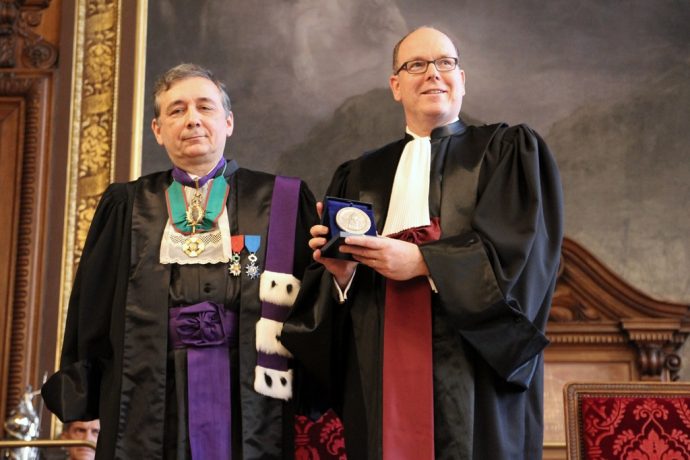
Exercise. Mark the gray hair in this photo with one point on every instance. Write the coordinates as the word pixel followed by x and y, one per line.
pixel 182 72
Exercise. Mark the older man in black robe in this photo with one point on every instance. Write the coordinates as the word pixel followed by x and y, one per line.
pixel 184 283
pixel 430 340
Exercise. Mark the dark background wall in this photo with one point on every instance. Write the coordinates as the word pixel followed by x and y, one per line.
pixel 606 83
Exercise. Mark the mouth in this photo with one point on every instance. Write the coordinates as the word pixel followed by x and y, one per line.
pixel 192 138
pixel 434 91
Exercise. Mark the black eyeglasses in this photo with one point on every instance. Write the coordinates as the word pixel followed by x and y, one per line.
pixel 444 64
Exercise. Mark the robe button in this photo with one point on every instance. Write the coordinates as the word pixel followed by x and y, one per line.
pixel 208 288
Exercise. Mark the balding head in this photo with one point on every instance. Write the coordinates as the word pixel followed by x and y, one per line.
pixel 426 79
pixel 396 48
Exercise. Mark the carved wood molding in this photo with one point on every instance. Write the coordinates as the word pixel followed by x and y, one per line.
pixel 592 305
pixel 92 139
pixel 17 18
pixel 33 89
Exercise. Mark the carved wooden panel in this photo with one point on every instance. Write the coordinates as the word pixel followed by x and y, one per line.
pixel 24 263
pixel 85 112
pixel 20 45
pixel 11 129
pixel 93 114
pixel 601 328
pixel 26 63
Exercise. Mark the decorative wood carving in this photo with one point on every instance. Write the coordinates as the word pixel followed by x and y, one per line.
pixel 26 63
pixel 17 18
pixel 33 89
pixel 603 329
pixel 592 306
pixel 92 150
pixel 11 125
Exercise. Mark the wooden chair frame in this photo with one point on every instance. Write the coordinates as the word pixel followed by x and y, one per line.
pixel 574 391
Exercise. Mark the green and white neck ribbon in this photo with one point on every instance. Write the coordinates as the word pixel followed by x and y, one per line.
pixel 216 197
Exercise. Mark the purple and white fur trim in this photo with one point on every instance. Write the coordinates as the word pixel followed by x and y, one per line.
pixel 278 290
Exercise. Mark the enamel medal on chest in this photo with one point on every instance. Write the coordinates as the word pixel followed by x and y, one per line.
pixel 193 246
pixel 236 244
pixel 252 243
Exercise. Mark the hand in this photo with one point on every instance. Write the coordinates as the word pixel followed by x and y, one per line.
pixel 342 270
pixel 395 259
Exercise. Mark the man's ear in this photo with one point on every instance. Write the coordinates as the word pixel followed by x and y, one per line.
pixel 155 127
pixel 394 83
pixel 230 123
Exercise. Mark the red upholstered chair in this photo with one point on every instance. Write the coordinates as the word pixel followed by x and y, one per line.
pixel 322 439
pixel 627 420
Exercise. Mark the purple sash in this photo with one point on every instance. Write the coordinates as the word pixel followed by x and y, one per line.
pixel 280 255
pixel 206 330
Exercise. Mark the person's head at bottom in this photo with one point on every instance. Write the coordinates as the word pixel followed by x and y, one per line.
pixel 82 431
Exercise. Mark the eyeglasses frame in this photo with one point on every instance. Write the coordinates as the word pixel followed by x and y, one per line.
pixel 433 61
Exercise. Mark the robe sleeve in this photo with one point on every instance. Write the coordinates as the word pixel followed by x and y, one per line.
pixel 495 282
pixel 306 218
pixel 73 392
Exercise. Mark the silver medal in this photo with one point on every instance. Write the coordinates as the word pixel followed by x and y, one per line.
pixel 252 269
pixel 353 220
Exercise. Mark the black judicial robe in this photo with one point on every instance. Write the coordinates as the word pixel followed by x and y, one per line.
pixel 113 364
pixel 495 269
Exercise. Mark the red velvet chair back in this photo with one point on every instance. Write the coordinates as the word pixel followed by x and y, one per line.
pixel 627 420
pixel 322 439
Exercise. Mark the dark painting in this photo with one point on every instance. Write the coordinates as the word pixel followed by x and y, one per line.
pixel 607 84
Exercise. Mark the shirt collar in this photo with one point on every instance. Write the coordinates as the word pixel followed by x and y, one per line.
pixel 456 126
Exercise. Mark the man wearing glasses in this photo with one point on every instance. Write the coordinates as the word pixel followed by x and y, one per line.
pixel 435 330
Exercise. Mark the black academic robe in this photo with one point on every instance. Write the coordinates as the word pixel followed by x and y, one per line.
pixel 494 268
pixel 113 364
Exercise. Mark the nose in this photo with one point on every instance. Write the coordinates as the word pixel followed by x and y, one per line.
pixel 434 74
pixel 193 119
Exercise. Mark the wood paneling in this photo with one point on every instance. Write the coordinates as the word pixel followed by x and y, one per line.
pixel 28 58
pixel 602 329
pixel 24 142
pixel 11 137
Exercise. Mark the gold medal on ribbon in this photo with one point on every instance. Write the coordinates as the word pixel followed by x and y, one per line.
pixel 195 213
pixel 193 246
pixel 235 267
pixel 236 244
